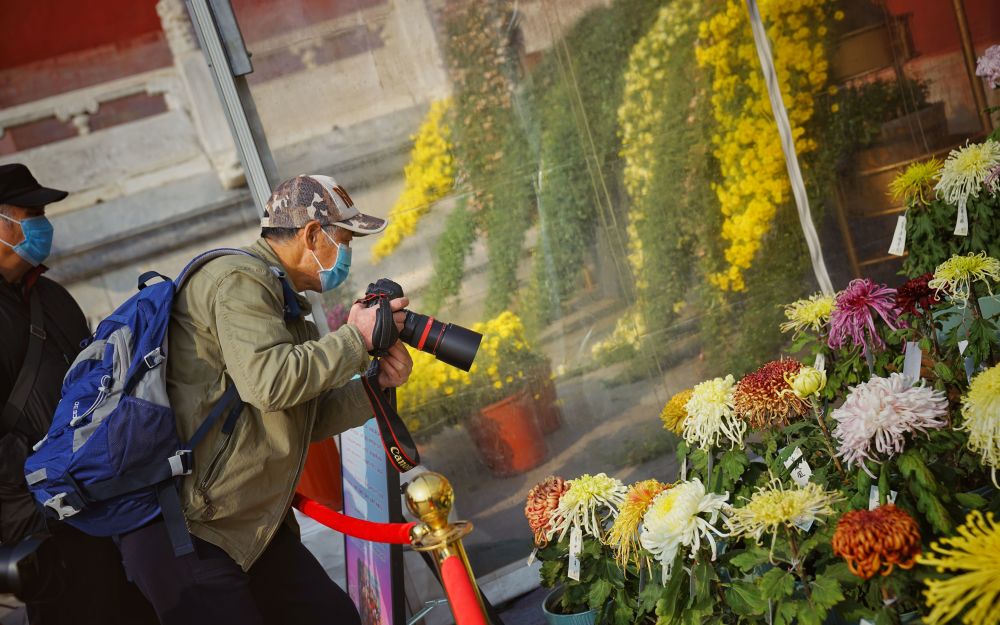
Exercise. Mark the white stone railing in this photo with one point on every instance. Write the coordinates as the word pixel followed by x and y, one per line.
pixel 77 106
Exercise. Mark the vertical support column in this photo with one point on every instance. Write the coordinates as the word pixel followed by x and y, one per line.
pixel 237 101
pixel 969 56
pixel 202 104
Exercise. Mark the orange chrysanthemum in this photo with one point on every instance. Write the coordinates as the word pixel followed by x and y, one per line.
pixel 764 398
pixel 873 542
pixel 542 502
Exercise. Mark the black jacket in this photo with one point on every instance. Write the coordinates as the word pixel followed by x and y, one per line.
pixel 65 327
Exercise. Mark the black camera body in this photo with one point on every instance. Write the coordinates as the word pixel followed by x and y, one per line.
pixel 449 343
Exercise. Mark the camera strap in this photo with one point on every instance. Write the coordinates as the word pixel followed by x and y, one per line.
pixel 396 439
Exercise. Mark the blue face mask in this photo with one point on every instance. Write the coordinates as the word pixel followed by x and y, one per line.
pixel 37 243
pixel 333 277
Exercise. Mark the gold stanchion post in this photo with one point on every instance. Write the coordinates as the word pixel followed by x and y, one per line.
pixel 430 498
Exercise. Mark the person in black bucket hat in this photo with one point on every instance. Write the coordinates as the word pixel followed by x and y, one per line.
pixel 76 578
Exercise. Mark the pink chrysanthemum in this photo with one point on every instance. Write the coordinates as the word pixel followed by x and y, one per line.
pixel 881 412
pixel 853 318
pixel 988 66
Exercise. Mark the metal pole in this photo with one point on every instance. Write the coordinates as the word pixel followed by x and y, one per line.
pixel 969 55
pixel 788 147
pixel 237 101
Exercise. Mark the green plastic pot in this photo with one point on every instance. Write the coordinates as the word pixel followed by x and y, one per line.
pixel 580 618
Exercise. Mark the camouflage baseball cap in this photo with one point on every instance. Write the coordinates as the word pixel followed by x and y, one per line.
pixel 299 200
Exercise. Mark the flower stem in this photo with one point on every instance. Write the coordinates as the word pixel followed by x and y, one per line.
pixel 820 416
pixel 797 564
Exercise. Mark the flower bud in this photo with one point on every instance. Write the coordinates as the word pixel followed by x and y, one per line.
pixel 808 382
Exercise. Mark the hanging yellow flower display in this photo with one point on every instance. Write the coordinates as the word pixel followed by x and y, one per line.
pixel 429 176
pixel 747 146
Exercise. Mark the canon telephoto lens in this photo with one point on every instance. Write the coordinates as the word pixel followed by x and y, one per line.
pixel 451 344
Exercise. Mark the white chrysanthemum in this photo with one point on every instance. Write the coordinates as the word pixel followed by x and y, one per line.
pixel 588 503
pixel 711 417
pixel 881 412
pixel 675 520
pixel 966 170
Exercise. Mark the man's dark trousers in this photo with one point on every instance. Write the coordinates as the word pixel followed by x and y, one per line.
pixel 285 586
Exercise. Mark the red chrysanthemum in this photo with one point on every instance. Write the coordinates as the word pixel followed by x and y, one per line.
pixel 915 293
pixel 764 397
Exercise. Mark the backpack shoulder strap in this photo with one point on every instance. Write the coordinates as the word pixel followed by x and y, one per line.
pixel 13 410
pixel 291 304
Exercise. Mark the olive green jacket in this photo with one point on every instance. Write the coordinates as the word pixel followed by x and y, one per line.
pixel 227 323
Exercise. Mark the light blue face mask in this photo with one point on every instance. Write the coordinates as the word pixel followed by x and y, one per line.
pixel 37 243
pixel 333 277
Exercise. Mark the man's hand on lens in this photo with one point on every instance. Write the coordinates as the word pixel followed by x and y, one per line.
pixel 395 367
pixel 364 318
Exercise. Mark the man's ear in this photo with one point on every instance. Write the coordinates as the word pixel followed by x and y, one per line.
pixel 310 234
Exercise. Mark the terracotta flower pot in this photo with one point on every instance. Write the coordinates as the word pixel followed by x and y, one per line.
pixel 507 436
pixel 321 477
pixel 543 394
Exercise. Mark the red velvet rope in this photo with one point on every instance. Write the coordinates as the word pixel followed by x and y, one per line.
pixel 392 533
pixel 462 595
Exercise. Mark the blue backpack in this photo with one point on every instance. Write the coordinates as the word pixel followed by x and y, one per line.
pixel 112 460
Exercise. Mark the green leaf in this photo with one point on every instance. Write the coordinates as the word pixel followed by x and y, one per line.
pixel 944 372
pixel 785 612
pixel 807 615
pixel 749 559
pixel 841 573
pixel 745 599
pixel 971 500
pixel 600 590
pixel 733 463
pixel 777 584
pixel 826 592
pixel 622 613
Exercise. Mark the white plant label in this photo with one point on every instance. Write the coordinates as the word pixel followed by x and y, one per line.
pixel 531 558
pixel 873 497
pixel 899 237
pixel 575 547
pixel 820 364
pixel 962 223
pixel 961 347
pixel 801 473
pixel 911 362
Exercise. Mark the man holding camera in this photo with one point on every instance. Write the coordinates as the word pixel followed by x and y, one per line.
pixel 230 326
pixel 64 575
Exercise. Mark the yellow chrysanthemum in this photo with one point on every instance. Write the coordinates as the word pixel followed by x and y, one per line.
pixel 429 176
pixel 954 277
pixel 774 507
pixel 624 534
pixel 811 313
pixel 588 503
pixel 674 413
pixel 915 184
pixel 981 417
pixel 974 593
pixel 965 170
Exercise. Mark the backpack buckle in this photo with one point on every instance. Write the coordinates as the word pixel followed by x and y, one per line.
pixel 62 509
pixel 153 358
pixel 39 332
pixel 181 462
